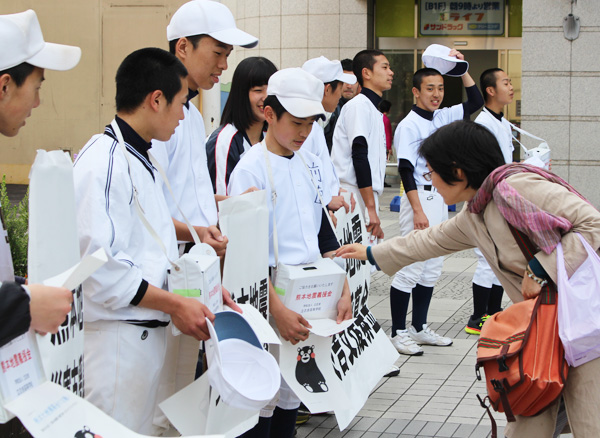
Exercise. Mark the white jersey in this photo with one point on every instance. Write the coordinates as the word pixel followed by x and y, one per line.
pixel 501 130
pixel 316 144
pixel 414 128
pixel 107 218
pixel 299 209
pixel 359 117
pixel 184 159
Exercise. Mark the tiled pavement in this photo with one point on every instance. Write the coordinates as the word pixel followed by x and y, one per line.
pixel 434 395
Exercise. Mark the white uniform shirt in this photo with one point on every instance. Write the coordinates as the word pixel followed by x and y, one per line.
pixel 299 210
pixel 315 143
pixel 413 129
pixel 501 130
pixel 107 218
pixel 359 117
pixel 184 159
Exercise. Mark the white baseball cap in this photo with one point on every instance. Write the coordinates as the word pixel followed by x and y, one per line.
pixel 21 40
pixel 298 91
pixel 199 17
pixel 243 373
pixel 437 57
pixel 328 71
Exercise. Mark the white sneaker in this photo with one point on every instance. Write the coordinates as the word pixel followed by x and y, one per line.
pixel 405 345
pixel 392 372
pixel 428 337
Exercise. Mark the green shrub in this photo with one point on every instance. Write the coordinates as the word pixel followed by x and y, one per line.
pixel 16 220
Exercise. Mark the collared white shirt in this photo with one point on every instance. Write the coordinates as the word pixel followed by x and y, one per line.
pixel 107 218
pixel 413 129
pixel 359 117
pixel 298 212
pixel 183 158
pixel 501 130
pixel 316 144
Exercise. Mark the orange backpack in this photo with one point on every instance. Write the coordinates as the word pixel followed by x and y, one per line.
pixel 521 353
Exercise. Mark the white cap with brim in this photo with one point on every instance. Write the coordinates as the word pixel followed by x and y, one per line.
pixel 328 71
pixel 243 373
pixel 298 91
pixel 205 17
pixel 21 40
pixel 436 56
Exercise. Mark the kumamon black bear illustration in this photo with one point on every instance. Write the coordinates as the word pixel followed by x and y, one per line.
pixel 86 433
pixel 307 372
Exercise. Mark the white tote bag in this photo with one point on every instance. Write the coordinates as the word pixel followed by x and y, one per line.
pixel 244 219
pixel 578 307
pixel 54 248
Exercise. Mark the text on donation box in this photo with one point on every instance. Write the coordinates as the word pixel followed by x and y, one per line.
pixel 313 290
pixel 20 369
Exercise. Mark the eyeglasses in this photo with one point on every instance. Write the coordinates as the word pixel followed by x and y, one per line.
pixel 427 175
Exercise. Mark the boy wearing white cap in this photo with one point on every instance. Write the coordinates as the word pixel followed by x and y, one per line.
pixel 421 205
pixel 303 231
pixel 127 305
pixel 23 57
pixel 201 34
pixel 332 75
pixel 358 151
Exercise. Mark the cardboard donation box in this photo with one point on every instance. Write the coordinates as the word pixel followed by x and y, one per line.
pixel 199 277
pixel 20 370
pixel 312 290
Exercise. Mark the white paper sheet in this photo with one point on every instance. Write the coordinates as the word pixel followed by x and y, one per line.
pixel 76 275
pixel 198 409
pixel 328 327
pixel 50 411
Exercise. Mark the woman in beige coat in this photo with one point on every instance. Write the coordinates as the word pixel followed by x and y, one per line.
pixel 460 157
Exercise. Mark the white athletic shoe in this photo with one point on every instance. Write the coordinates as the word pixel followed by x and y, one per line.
pixel 392 372
pixel 428 337
pixel 405 345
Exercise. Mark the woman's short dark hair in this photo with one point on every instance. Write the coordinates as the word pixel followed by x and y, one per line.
pixel 463 145
pixel 19 73
pixel 251 72
pixel 145 71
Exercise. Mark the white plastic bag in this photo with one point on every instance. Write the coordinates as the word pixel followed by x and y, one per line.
pixel 579 307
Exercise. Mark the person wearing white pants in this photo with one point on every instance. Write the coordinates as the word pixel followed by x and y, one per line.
pixel 421 205
pixel 487 291
pixel 127 306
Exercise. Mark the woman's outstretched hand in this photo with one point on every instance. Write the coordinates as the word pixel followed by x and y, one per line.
pixel 352 251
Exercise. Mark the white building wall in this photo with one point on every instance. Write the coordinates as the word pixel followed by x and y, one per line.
pixel 561 88
pixel 293 31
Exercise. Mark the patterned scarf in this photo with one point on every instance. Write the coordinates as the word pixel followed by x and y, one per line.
pixel 543 228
